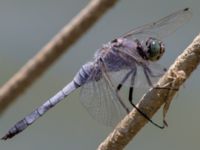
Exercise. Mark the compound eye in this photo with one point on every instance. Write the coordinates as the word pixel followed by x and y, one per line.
pixel 155 50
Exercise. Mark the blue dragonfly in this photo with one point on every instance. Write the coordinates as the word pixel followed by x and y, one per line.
pixel 114 65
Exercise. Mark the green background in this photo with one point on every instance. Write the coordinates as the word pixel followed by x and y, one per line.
pixel 26 26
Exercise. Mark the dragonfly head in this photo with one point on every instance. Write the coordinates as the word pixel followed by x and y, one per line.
pixel 155 49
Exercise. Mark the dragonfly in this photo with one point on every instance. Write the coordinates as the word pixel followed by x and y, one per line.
pixel 114 65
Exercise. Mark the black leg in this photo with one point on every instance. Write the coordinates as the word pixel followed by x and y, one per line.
pixel 124 80
pixel 119 87
pixel 132 86
pixel 141 112
pixel 131 101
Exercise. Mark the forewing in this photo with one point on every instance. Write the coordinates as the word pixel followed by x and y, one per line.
pixel 162 27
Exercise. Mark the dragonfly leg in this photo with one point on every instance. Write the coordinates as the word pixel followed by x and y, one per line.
pixel 141 112
pixel 169 87
pixel 148 73
pixel 153 74
pixel 124 80
pixel 132 87
pixel 131 100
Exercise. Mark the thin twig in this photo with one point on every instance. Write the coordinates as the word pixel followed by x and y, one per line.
pixel 181 69
pixel 51 52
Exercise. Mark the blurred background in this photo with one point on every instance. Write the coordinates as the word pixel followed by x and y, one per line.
pixel 26 26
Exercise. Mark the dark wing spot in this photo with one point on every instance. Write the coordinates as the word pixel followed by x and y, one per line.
pixel 186 9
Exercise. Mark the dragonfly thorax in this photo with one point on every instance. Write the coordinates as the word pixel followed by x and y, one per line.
pixel 155 49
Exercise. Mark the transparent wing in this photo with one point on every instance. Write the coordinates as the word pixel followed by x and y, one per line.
pixel 162 27
pixel 101 102
pixel 140 78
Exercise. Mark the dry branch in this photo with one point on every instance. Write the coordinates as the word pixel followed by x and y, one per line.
pixel 181 69
pixel 52 51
